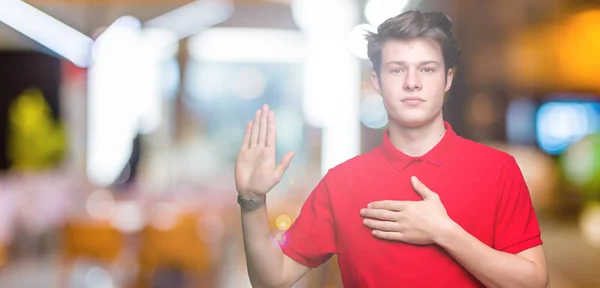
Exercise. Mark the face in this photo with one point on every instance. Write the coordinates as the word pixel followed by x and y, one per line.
pixel 412 81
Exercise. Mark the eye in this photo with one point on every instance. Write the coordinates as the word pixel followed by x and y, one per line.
pixel 396 70
pixel 428 70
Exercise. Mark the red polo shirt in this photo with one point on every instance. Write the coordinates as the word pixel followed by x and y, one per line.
pixel 482 189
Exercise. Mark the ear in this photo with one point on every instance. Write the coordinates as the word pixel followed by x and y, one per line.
pixel 375 81
pixel 449 78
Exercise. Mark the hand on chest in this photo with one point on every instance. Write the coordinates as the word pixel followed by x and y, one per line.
pixel 413 211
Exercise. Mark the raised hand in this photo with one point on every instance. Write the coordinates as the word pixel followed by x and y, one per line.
pixel 256 169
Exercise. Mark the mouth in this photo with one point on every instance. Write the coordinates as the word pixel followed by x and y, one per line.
pixel 412 101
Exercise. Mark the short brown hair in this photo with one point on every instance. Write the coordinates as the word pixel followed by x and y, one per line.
pixel 413 24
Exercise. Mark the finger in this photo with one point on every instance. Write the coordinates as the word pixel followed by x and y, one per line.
pixel 381 214
pixel 386 235
pixel 255 125
pixel 391 205
pixel 246 142
pixel 271 130
pixel 285 162
pixel 262 130
pixel 421 188
pixel 381 225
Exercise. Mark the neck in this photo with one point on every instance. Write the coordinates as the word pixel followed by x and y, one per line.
pixel 417 141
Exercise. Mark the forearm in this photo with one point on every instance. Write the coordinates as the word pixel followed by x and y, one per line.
pixel 492 267
pixel 264 259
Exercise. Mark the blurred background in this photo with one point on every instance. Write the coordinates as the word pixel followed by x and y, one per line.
pixel 120 122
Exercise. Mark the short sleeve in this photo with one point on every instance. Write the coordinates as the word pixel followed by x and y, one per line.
pixel 516 227
pixel 310 240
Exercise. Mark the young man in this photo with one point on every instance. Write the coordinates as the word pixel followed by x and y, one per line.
pixel 426 208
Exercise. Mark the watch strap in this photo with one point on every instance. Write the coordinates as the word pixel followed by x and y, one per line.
pixel 251 204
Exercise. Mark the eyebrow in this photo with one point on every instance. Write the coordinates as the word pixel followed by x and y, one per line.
pixel 421 63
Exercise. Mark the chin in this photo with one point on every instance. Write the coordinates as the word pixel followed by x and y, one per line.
pixel 416 120
pixel 412 123
pixel 405 122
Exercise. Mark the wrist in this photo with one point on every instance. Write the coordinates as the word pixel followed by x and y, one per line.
pixel 251 196
pixel 251 202
pixel 446 230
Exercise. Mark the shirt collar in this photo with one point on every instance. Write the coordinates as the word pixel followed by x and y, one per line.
pixel 436 156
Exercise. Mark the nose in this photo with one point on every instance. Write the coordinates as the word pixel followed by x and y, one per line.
pixel 412 82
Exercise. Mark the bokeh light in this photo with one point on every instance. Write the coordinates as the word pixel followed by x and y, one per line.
pixel 250 83
pixel 100 204
pixel 377 11
pixel 313 15
pixel 211 228
pixel 483 110
pixel 357 43
pixel 280 238
pixel 372 112
pixel 590 224
pixel 561 123
pixel 290 129
pixel 520 121
pixel 164 216
pixel 98 277
pixel 128 217
pixel 283 222
pixel 581 164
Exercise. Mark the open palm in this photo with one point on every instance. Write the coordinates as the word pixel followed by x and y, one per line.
pixel 256 169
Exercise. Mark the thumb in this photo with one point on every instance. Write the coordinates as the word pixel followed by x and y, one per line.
pixel 421 188
pixel 285 162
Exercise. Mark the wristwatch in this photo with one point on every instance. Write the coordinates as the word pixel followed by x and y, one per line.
pixel 251 204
